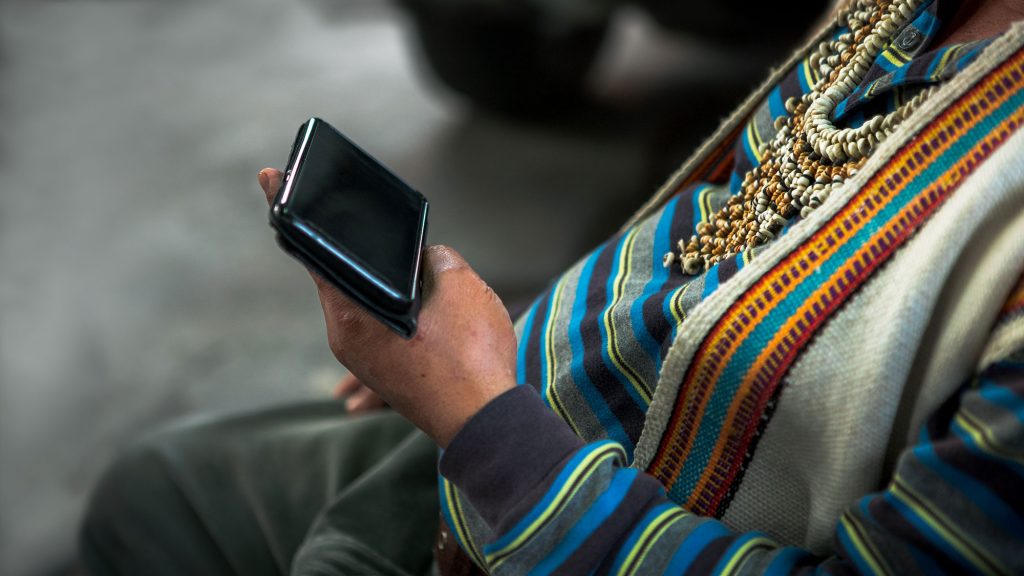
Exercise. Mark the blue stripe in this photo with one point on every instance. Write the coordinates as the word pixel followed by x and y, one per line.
pixel 734 548
pixel 971 54
pixel 549 496
pixel 841 108
pixel 980 495
pixel 926 531
pixel 735 183
pixel 899 75
pixel 596 514
pixel 612 367
pixel 938 58
pixel 856 119
pixel 543 349
pixel 710 282
pixel 583 383
pixel 659 276
pixel 787 559
pixel 925 563
pixel 801 76
pixel 695 200
pixel 732 375
pixel 693 544
pixel 627 547
pixel 882 62
pixel 745 137
pixel 980 452
pixel 446 511
pixel 776 106
pixel 846 543
pixel 524 343
pixel 1003 397
pixel 926 22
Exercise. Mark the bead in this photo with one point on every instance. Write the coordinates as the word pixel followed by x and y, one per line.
pixel 807 156
pixel 691 265
pixel 668 259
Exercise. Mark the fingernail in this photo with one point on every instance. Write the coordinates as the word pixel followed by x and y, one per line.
pixel 264 179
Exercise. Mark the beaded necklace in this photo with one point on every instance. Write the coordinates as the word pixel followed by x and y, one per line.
pixel 809 156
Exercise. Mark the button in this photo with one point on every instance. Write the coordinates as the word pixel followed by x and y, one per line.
pixel 909 39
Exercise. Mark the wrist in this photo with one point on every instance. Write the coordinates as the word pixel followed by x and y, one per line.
pixel 460 405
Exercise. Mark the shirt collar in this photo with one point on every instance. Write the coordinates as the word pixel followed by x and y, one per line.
pixel 907 61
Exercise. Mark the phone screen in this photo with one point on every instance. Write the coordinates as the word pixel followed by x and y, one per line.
pixel 368 212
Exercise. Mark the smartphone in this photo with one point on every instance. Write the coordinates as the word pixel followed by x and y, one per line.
pixel 350 220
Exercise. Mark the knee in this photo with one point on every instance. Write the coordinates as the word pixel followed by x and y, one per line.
pixel 132 499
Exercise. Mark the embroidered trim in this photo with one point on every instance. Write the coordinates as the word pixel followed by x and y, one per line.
pixel 700 461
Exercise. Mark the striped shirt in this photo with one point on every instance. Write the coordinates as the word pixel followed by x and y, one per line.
pixel 591 349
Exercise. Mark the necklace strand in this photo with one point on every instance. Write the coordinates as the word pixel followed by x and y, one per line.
pixel 808 157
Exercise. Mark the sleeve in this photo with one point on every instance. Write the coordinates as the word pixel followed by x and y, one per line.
pixel 558 505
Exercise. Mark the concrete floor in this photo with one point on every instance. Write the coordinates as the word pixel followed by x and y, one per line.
pixel 138 278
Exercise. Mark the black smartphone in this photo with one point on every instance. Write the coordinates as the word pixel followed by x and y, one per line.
pixel 349 219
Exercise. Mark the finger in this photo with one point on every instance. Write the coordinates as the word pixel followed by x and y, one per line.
pixel 363 400
pixel 270 181
pixel 350 329
pixel 347 385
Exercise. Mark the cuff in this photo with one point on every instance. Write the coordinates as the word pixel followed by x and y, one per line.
pixel 506 451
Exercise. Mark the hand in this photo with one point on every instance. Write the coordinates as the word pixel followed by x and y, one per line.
pixel 358 398
pixel 462 356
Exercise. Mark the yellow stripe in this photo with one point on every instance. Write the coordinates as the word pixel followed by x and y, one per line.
pixel 937 71
pixel 677 304
pixel 565 493
pixel 945 527
pixel 898 57
pixel 866 549
pixel 705 203
pixel 550 390
pixel 741 555
pixel 647 539
pixel 752 140
pixel 811 75
pixel 984 437
pixel 625 268
pixel 729 333
pixel 456 509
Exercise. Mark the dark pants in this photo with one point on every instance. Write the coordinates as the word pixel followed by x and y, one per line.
pixel 296 490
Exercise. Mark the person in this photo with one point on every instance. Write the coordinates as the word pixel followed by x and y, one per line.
pixel 805 352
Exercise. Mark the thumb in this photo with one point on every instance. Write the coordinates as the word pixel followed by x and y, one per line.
pixel 270 181
pixel 437 260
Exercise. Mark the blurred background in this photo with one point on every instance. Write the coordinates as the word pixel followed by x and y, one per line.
pixel 139 280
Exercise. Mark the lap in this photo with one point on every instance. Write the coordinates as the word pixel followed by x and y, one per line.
pixel 251 493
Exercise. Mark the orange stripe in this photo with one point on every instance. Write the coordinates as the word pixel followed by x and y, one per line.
pixel 717 163
pixel 766 368
pixel 1015 303
pixel 746 313
pixel 737 325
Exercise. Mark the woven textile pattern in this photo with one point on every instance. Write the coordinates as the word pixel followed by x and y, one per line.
pixel 744 359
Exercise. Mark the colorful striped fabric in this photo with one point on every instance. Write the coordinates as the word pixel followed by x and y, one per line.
pixel 743 361
pixel 592 347
pixel 593 344
pixel 954 504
